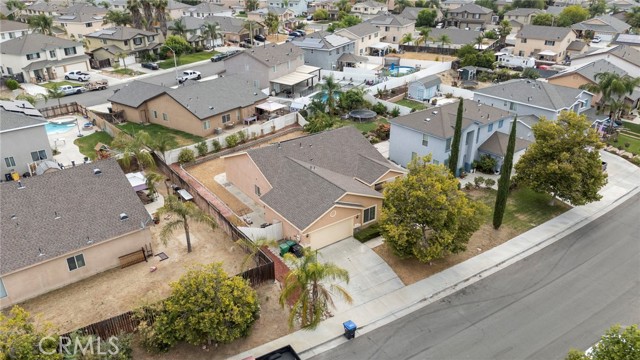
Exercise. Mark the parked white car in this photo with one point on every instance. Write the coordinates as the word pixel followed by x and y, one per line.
pixel 189 75
pixel 77 75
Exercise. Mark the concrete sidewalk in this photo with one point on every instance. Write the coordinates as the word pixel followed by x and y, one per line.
pixel 624 182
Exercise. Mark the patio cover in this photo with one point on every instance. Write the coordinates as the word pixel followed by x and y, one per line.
pixel 351 58
pixel 137 180
pixel 270 106
pixel 293 78
pixel 547 53
pixel 307 69
pixel 380 45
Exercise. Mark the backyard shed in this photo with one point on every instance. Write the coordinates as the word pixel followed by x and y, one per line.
pixel 425 88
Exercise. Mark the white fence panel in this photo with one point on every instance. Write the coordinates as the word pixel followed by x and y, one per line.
pixel 272 232
pixel 389 105
pixel 457 92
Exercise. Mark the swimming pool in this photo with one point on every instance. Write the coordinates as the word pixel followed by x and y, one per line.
pixel 323 96
pixel 400 70
pixel 52 128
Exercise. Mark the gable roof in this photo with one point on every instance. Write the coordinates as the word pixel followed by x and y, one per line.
pixel 321 40
pixel 331 163
pixel 370 3
pixel 497 143
pixel 471 9
pixel 207 7
pixel 624 52
pixel 271 55
pixel 8 25
pixel 119 33
pixel 175 5
pixel 626 39
pixel 440 121
pixel 590 70
pixel 81 13
pixel 540 32
pixel 523 12
pixel 190 22
pixel 534 93
pixel 11 121
pixel 136 92
pixel 602 23
pixel 390 20
pixel 577 45
pixel 228 24
pixel 411 13
pixel 429 81
pixel 33 43
pixel 360 30
pixel 35 229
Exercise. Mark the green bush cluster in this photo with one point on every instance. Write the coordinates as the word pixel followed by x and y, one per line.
pixel 367 233
pixel 186 156
pixel 232 140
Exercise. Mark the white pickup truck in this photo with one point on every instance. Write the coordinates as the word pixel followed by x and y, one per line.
pixel 70 90
pixel 77 75
pixel 189 75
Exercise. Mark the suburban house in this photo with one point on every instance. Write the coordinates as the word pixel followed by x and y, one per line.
pixel 424 89
pixel 411 13
pixel 287 17
pixel 393 27
pixel 454 4
pixel 321 187
pixel 299 7
pixel 368 9
pixel 175 8
pixel 204 9
pixel 7 13
pixel 627 39
pixel 547 44
pixel 45 8
pixel 13 29
pixel 604 26
pixel 625 57
pixel 43 246
pixel 37 55
pixel 81 19
pixel 457 37
pixel 106 44
pixel 194 31
pixel 329 5
pixel 577 76
pixel 199 108
pixel 233 30
pixel 323 49
pixel 522 15
pixel 366 37
pixel 431 132
pixel 276 68
pixel 469 16
pixel 23 144
pixel 624 5
pixel 540 98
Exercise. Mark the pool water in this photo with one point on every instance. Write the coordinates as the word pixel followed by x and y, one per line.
pixel 58 129
pixel 323 96
pixel 400 70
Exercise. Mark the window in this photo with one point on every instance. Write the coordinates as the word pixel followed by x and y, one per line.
pixel 386 28
pixel 52 54
pixel 165 117
pixel 155 114
pixel 3 291
pixel 256 188
pixel 524 41
pixel 11 35
pixel 38 155
pixel 75 262
pixel 151 38
pixel 2 36
pixel 137 41
pixel 490 128
pixel 448 145
pixel 33 56
pixel 369 215
pixel 88 24
pixel 500 123
pixel 70 51
pixel 206 124
pixel 226 118
pixel 126 43
pixel 476 16
pixel 425 140
pixel 9 161
pixel 414 155
pixel 549 42
pixel 513 106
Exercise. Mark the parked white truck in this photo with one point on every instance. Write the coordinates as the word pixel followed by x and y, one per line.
pixel 513 61
pixel 189 75
pixel 77 75
pixel 70 90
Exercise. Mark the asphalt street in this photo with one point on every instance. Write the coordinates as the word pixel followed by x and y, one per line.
pixel 566 295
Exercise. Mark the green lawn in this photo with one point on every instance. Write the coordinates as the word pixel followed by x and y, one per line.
pixel 526 208
pixel 187 59
pixel 634 128
pixel 50 85
pixel 363 126
pixel 411 104
pixel 634 144
pixel 88 143
pixel 130 72
pixel 154 130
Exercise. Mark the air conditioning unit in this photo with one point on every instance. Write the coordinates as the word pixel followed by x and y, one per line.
pixel 218 131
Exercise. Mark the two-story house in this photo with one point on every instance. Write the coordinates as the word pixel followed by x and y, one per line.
pixel 13 29
pixel 205 9
pixel 533 97
pixel 454 4
pixel 547 44
pixel 431 132
pixel 287 17
pixel 323 49
pixel 233 30
pixel 175 8
pixel 194 31
pixel 276 68
pixel 297 6
pixel 81 19
pixel 331 6
pixel 106 44
pixel 36 55
pixel 469 16
pixel 522 16
pixel 603 26
pixel 23 142
pixel 625 57
pixel 366 37
pixel 368 9
pixel 393 27
pixel 45 8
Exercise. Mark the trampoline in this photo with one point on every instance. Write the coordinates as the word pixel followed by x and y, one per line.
pixel 362 114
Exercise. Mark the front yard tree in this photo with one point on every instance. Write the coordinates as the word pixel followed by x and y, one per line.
pixel 184 212
pixel 207 306
pixel 455 144
pixel 20 337
pixel 505 178
pixel 614 345
pixel 272 22
pixel 312 285
pixel 425 216
pixel 564 160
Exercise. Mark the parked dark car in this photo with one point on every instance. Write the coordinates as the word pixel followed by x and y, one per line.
pixel 218 57
pixel 295 34
pixel 301 32
pixel 150 65
pixel 260 37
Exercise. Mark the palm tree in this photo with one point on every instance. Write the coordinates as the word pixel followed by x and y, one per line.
pixel 134 147
pixel 613 88
pixel 152 179
pixel 479 40
pixel 250 25
pixel 329 87
pixel 443 39
pixel 54 92
pixel 118 18
pixel 210 32
pixel 504 30
pixel 41 24
pixel 424 36
pixel 184 212
pixel 311 284
pixel 163 142
pixel 32 99
pixel 160 7
pixel 253 248
pixel 179 28
pixel 406 38
pixel 133 6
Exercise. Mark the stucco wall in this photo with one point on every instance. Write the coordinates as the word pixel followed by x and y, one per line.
pixel 560 46
pixel 326 59
pixel 243 173
pixel 19 145
pixel 573 81
pixel 248 68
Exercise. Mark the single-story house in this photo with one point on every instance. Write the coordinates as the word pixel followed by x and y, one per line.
pixel 49 242
pixel 425 88
pixel 321 187
pixel 605 26
pixel 577 76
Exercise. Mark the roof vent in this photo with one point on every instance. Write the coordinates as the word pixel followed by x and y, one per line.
pixel 123 217
pixel 529 99
pixel 55 215
pixel 210 107
pixel 20 186
pixel 427 119
pixel 97 171
pixel 14 216
pixel 279 146
pixel 89 241
pixel 434 112
pixel 40 252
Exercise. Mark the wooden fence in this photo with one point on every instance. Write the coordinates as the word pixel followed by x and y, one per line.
pixel 119 324
pixel 64 109
pixel 132 258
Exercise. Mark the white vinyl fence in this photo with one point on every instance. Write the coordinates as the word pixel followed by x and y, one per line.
pixel 271 232
pixel 457 92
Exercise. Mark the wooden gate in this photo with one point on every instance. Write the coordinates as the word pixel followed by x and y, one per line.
pixel 132 258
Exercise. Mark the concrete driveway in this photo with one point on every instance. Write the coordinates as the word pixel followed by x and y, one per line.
pixel 370 277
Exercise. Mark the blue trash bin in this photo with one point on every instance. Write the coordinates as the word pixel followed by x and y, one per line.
pixel 349 329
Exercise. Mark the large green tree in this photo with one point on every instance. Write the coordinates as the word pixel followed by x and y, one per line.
pixel 564 160
pixel 615 344
pixel 118 18
pixel 613 88
pixel 544 20
pixel 42 24
pixel 427 18
pixel 184 212
pixel 505 178
pixel 455 143
pixel 21 337
pixel 134 147
pixel 425 215
pixel 633 17
pixel 597 7
pixel 572 14
pixel 311 285
pixel 504 29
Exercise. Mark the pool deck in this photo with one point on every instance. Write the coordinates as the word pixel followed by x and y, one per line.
pixel 64 143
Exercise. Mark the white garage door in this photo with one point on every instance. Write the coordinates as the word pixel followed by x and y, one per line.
pixel 82 66
pixel 330 234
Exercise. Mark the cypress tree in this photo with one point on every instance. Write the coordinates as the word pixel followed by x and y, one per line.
pixel 505 178
pixel 455 144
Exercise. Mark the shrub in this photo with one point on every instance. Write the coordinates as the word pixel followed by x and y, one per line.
pixel 202 148
pixel 12 84
pixel 186 156
pixel 487 164
pixel 448 95
pixel 468 186
pixel 379 108
pixel 242 137
pixel 367 233
pixel 627 144
pixel 216 145
pixel 395 112
pixel 232 140
pixel 382 131
pixel 478 181
pixel 489 183
pixel 635 161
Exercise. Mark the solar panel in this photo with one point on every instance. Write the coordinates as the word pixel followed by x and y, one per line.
pixel 628 38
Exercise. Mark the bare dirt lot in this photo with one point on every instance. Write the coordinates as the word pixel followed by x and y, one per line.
pixel 119 290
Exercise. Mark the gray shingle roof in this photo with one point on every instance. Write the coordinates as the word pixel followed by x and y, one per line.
pixel 33 43
pixel 228 24
pixel 554 10
pixel 361 29
pixel 173 5
pixel 301 193
pixel 190 22
pixel 529 120
pixel 577 45
pixel 626 39
pixel 275 54
pixel 81 13
pixel 624 52
pixel 321 40
pixel 207 7
pixel 543 32
pixel 390 20
pixel 411 13
pixel 457 36
pixel 8 25
pixel 590 70
pixel 442 119
pixel 497 143
pixel 523 12
pixel 471 9
pixel 10 121
pixel 431 80
pixel 535 93
pixel 119 33
pixel 96 216
pixel 602 23
pixel 136 92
